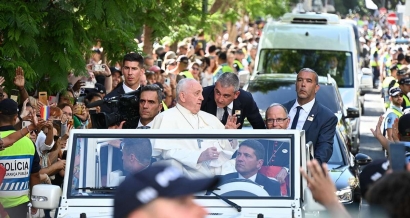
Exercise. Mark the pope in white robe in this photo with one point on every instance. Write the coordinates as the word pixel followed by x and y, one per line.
pixel 196 158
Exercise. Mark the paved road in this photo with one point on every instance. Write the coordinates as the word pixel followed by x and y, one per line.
pixel 373 108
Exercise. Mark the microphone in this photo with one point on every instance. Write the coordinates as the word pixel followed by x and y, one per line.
pixel 95 104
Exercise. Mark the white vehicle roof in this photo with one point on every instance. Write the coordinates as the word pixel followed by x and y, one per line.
pixel 306 31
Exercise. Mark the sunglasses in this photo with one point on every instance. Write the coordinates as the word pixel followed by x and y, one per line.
pixel 396 96
pixel 195 68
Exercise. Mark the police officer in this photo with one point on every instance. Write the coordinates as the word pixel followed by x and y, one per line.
pixel 237 63
pixel 374 63
pixel 393 112
pixel 389 82
pixel 183 62
pixel 223 66
pixel 21 162
pixel 404 85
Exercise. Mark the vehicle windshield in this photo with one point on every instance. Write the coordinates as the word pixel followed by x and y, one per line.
pixel 248 167
pixel 336 63
pixel 284 91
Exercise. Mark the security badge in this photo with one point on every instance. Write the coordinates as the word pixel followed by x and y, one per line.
pixel 238 113
pixel 310 118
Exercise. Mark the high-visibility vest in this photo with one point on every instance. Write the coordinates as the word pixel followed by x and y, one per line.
pixel 224 68
pixel 186 74
pixel 374 63
pixel 18 161
pixel 406 102
pixel 240 65
pixel 390 110
pixel 164 106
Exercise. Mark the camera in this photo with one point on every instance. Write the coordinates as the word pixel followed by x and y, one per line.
pixel 127 109
pixel 98 67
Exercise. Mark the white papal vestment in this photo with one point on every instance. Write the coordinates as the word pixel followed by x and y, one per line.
pixel 185 152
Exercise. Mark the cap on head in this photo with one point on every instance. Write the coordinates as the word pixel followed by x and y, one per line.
pixel 184 59
pixel 404 125
pixel 404 81
pixel 8 107
pixel 155 182
pixel 154 69
pixel 394 91
pixel 394 67
pixel 371 173
pixel 115 70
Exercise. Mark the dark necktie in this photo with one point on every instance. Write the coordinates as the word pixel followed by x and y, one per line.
pixel 296 118
pixel 143 127
pixel 225 116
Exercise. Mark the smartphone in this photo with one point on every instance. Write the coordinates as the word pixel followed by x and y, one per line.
pixel 159 63
pixel 398 155
pixel 79 101
pixel 45 112
pixel 42 97
pixel 58 123
pixel 98 67
pixel 167 81
pixel 24 124
pixel 52 99
pixel 14 94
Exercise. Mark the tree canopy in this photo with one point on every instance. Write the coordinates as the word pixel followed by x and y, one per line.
pixel 50 38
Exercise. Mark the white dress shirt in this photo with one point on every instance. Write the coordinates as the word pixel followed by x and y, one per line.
pixel 128 89
pixel 252 178
pixel 149 124
pixel 303 114
pixel 220 111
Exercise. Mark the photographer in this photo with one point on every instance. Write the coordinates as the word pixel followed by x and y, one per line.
pixel 131 69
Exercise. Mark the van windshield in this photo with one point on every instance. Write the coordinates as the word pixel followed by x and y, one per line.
pixel 248 167
pixel 338 64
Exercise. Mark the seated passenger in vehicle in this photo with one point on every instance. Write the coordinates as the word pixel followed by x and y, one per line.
pixel 136 154
pixel 276 159
pixel 249 160
pixel 333 71
pixel 196 158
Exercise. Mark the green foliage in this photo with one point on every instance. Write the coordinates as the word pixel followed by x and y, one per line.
pixel 51 38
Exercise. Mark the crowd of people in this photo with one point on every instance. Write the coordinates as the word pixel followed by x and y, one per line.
pixel 195 87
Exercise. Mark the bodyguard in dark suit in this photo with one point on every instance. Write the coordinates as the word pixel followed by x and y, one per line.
pixel 308 114
pixel 225 98
pixel 249 160
pixel 131 69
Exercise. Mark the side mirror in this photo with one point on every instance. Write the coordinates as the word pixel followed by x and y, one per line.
pixel 362 159
pixel 352 112
pixel 45 196
pixel 367 71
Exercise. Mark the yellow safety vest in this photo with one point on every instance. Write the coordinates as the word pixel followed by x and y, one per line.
pixel 164 106
pixel 374 63
pixel 390 110
pixel 186 74
pixel 240 65
pixel 225 69
pixel 18 161
pixel 406 101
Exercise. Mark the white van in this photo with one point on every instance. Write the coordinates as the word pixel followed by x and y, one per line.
pixel 317 41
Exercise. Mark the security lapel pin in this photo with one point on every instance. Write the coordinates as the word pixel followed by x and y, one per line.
pixel 310 118
pixel 238 113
